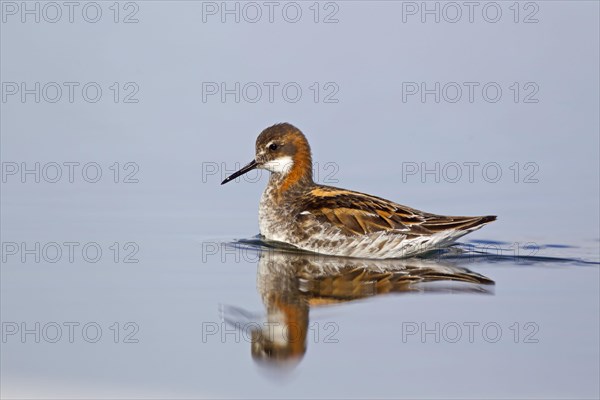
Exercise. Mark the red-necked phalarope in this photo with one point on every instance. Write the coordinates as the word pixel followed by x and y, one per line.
pixel 327 220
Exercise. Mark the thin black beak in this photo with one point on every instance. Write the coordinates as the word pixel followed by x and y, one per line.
pixel 241 172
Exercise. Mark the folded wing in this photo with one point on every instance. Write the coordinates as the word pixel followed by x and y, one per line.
pixel 357 213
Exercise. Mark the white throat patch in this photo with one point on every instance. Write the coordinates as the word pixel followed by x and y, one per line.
pixel 279 165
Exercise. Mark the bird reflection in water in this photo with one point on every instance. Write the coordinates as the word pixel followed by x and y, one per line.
pixel 291 283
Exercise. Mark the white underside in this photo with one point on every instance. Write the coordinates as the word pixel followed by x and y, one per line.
pixel 377 245
pixel 382 245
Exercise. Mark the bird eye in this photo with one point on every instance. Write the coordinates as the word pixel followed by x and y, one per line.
pixel 273 146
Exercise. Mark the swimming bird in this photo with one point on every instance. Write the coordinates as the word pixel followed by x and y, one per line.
pixel 327 220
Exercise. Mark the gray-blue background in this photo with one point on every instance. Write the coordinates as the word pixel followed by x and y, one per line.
pixel 184 141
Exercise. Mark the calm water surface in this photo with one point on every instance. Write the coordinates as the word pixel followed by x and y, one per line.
pixel 201 316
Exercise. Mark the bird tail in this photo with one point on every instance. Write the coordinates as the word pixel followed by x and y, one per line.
pixel 445 223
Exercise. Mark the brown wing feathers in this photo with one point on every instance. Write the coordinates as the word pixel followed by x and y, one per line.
pixel 358 213
pixel 442 223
